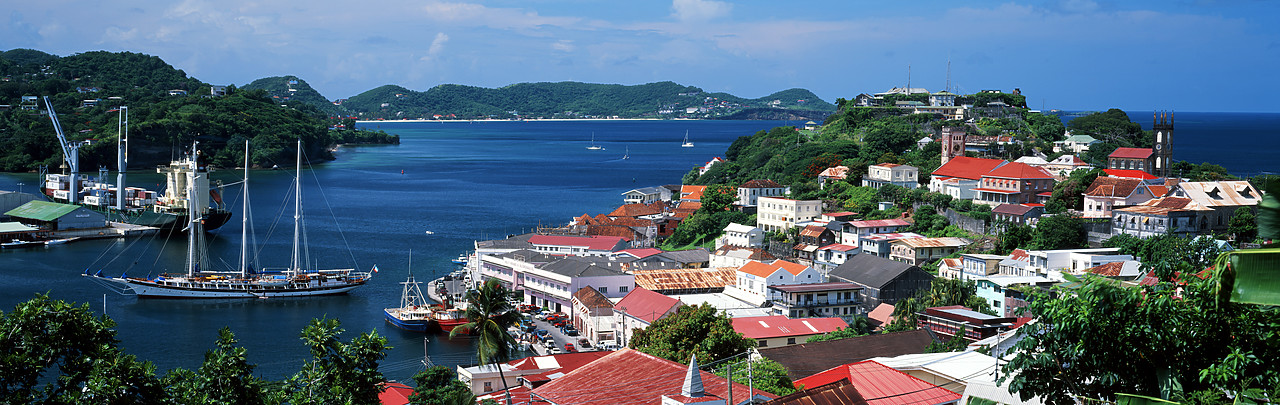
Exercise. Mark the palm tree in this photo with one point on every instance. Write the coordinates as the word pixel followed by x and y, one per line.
pixel 489 314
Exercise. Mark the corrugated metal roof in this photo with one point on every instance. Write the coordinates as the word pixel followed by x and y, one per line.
pixel 685 279
pixel 646 305
pixel 631 377
pixel 41 210
pixel 934 242
pixel 880 384
pixel 837 393
pixel 764 327
pixel 8 227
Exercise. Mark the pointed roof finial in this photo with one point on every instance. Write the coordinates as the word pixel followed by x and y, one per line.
pixel 692 387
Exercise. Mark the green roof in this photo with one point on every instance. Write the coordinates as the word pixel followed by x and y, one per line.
pixel 10 227
pixel 41 210
pixel 1081 139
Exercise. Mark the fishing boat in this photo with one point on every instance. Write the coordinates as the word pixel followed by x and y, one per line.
pixel 18 243
pixel 245 281
pixel 413 314
pixel 686 143
pixel 451 318
pixel 593 143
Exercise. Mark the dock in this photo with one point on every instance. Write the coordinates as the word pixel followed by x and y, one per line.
pixel 112 230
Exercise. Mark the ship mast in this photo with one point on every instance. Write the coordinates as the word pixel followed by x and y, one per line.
pixel 297 210
pixel 122 155
pixel 194 228
pixel 244 216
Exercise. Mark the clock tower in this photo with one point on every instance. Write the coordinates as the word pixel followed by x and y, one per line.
pixel 1162 125
pixel 952 143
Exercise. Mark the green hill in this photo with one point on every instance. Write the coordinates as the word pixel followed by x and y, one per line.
pixel 287 89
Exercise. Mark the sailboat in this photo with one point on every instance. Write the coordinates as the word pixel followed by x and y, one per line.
pixel 627 155
pixel 413 314
pixel 593 143
pixel 243 282
pixel 686 143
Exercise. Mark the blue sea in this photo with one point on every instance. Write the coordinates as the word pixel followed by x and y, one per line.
pixel 463 182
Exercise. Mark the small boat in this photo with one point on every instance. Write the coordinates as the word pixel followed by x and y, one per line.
pixel 413 314
pixel 18 243
pixel 60 241
pixel 686 143
pixel 451 318
pixel 626 155
pixel 593 143
pixel 462 259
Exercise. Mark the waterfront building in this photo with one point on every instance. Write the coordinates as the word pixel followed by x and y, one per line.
pixel 646 195
pixel 577 245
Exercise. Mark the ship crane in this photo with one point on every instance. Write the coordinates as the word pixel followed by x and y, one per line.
pixel 70 154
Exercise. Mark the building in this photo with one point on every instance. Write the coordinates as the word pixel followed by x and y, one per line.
pixel 552 284
pixel 707 166
pixel 639 309
pixel 830 256
pixel 1014 183
pixel 646 195
pixel 1159 216
pixel 891 173
pixel 534 371
pixel 1108 192
pixel 779 214
pixel 630 377
pixel 1064 165
pixel 593 315
pixel 953 144
pixel 870 227
pixel 918 251
pixel 833 174
pixel 1052 263
pixel 217 90
pixel 777 330
pixel 686 281
pixel 978 265
pixel 51 216
pixel 750 192
pixel 577 245
pixel 961 175
pixel 1132 158
pixel 882 280
pixel 1162 124
pixel 811 238
pixel 1074 144
pixel 832 299
pixel 881 385
pixel 1128 270
pixel 942 98
pixel 880 244
pixel 1007 301
pixel 1221 197
pixel 806 359
pixel 691 193
pixel 755 278
pixel 1021 214
pixel 740 235
pixel 949 320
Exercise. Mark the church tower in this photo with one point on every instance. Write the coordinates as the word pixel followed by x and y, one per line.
pixel 1162 124
pixel 952 143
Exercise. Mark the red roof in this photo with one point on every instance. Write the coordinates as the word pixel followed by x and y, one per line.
pixel 880 384
pixel 967 167
pixel 394 393
pixel 879 223
pixel 761 183
pixel 996 190
pixel 765 270
pixel 838 247
pixel 635 210
pixel 631 377
pixel 1131 153
pixel 640 253
pixel 691 192
pixel 647 305
pixel 556 363
pixel 1017 170
pixel 1020 255
pixel 590 242
pixel 764 327
pixel 1133 174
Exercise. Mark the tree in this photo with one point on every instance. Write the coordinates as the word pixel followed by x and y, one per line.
pixel 1060 231
pixel 764 374
pixel 226 377
pixel 861 329
pixel 718 197
pixel 941 292
pixel 1069 194
pixel 1014 236
pixel 692 330
pixel 439 385
pixel 927 220
pixel 489 314
pixel 1244 225
pixel 338 372
pixel 45 335
pixel 1105 338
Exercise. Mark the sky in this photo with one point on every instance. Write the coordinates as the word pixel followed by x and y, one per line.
pixel 1181 55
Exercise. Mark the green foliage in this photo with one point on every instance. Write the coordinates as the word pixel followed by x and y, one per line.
pixel 278 88
pixel 955 344
pixel 1104 338
pixel 1060 231
pixel 1168 255
pixel 1069 194
pixel 764 374
pixel 439 385
pixel 1202 172
pixel 226 377
pixel 941 292
pixel 718 197
pixel 338 372
pixel 1014 236
pixel 859 327
pixel 692 330
pixel 1244 225
pixel 27 57
pixel 1112 126
pixel 490 314
pixel 928 221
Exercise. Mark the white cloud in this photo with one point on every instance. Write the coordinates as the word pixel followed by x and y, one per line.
pixel 437 46
pixel 563 45
pixel 699 10
pixel 471 14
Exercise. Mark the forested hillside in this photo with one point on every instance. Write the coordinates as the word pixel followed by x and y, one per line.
pixel 291 89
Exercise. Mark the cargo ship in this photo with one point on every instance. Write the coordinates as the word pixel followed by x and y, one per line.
pixel 166 211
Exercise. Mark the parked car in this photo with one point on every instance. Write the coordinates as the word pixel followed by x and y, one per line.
pixel 568 347
pixel 541 333
pixel 569 330
pixel 584 343
pixel 554 350
pixel 540 317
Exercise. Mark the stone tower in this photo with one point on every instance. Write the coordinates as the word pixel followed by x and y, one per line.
pixel 1162 124
pixel 952 143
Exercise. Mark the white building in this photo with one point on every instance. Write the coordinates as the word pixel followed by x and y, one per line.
pixel 750 192
pixel 779 214
pixel 740 235
pixel 755 278
pixel 891 173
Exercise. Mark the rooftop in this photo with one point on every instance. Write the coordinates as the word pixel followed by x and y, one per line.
pixel 608 243
pixel 591 298
pixel 876 223
pixel 631 377
pixel 880 384
pixel 934 242
pixel 774 326
pixel 761 183
pixel 646 305
pixel 685 279
pixel 1017 170
pixel 761 269
pixel 1113 186
pixel 968 168
pixel 802 288
pixel 1131 153
pixel 1136 174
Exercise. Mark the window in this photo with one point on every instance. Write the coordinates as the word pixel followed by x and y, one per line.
pixel 791 341
pixel 604 290
pixel 488 386
pixel 622 289
pixel 763 343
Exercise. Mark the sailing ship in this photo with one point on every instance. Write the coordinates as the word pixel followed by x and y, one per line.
pixel 686 143
pixel 132 204
pixel 627 155
pixel 593 143
pixel 413 314
pixel 245 281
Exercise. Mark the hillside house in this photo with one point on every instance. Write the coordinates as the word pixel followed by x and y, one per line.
pixel 779 214
pixel 750 192
pixel 755 278
pixel 882 280
pixel 961 175
pixel 1014 183
pixel 891 173
pixel 918 251
pixel 777 330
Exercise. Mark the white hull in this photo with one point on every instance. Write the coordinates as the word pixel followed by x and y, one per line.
pixel 148 288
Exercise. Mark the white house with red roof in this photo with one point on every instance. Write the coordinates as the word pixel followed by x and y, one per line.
pixel 690 193
pixel 780 214
pixel 750 192
pixel 1108 192
pixel 534 371
pixel 778 330
pixel 755 278
pixel 707 166
pixel 639 309
pixel 830 256
pixel 834 173
pixel 577 245
pixel 1013 183
pixel 858 229
pixel 960 175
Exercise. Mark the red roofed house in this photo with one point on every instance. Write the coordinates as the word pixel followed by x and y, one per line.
pixel 639 309
pixel 834 173
pixel 949 320
pixel 750 192
pixel 960 175
pixel 778 330
pixel 1108 192
pixel 534 371
pixel 593 314
pixel 812 237
pixel 830 256
pixel 755 278
pixel 714 161
pixel 630 377
pixel 881 385
pixel 394 393
pixel 636 211
pixel 691 193
pixel 1132 158
pixel 577 245
pixel 1013 183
